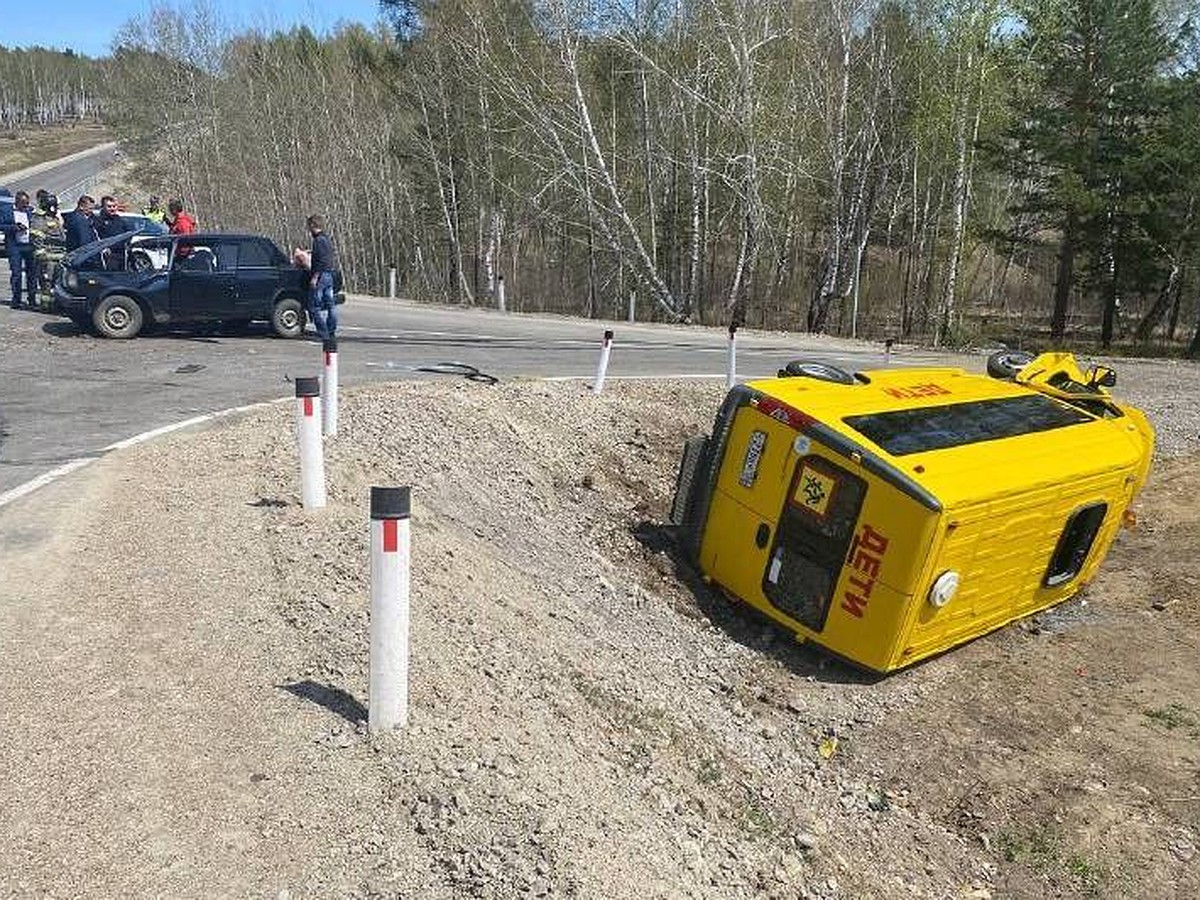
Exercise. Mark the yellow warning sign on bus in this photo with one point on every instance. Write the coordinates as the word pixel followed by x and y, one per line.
pixel 814 490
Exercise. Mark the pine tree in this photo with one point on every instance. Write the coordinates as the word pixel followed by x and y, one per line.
pixel 1079 137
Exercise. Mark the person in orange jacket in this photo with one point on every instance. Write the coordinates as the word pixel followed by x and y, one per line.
pixel 180 221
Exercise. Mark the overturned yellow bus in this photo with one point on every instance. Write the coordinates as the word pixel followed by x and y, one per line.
pixel 889 515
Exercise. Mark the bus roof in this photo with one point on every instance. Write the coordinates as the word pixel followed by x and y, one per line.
pixel 963 437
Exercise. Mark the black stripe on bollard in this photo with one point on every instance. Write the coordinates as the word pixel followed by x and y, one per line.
pixel 608 336
pixel 308 387
pixel 391 502
pixel 329 345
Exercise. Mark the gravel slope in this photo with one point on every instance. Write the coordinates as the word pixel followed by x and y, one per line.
pixel 183 703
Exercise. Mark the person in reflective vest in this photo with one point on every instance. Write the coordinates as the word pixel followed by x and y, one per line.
pixel 153 210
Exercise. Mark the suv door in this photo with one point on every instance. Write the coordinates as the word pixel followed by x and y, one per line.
pixel 203 274
pixel 258 266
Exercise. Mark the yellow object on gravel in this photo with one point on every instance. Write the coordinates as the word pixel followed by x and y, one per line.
pixel 890 515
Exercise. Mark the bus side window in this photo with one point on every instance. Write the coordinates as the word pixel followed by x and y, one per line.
pixel 1075 544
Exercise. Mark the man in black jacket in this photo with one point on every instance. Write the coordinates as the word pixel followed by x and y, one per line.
pixel 109 223
pixel 322 302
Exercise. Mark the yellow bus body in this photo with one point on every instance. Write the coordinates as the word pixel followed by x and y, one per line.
pixel 799 512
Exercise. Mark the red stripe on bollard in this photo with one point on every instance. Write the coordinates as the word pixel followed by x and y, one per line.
pixel 326 357
pixel 390 540
pixel 308 410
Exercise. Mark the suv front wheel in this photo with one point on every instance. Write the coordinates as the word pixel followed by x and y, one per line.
pixel 118 316
pixel 288 318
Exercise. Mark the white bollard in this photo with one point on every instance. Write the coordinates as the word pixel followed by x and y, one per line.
pixel 387 700
pixel 501 303
pixel 731 363
pixel 632 306
pixel 329 387
pixel 391 282
pixel 602 370
pixel 887 352
pixel 308 432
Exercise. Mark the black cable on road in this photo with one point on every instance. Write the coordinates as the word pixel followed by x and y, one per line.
pixel 457 368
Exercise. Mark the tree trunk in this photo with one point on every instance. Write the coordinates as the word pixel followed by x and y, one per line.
pixel 1062 286
pixel 959 204
pixel 1162 303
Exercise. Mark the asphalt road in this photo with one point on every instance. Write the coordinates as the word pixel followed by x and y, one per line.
pixel 65 395
pixel 64 177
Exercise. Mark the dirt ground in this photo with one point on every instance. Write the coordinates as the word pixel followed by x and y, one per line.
pixel 184 687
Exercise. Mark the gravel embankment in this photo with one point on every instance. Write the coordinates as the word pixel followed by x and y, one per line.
pixel 588 720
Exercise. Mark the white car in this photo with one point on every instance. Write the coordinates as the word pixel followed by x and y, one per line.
pixel 147 258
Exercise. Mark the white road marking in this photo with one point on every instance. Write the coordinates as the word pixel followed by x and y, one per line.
pixel 156 432
pixel 67 468
pixel 553 342
pixel 44 479
pixel 626 377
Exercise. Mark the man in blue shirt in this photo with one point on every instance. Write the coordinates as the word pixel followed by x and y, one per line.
pixel 19 244
pixel 79 223
pixel 322 304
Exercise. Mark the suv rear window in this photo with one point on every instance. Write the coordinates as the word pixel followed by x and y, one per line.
pixel 905 431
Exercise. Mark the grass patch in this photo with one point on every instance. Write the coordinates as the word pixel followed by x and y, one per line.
pixel 1088 876
pixel 1172 716
pixel 1038 846
pixel 709 771
pixel 756 819
pixel 1041 849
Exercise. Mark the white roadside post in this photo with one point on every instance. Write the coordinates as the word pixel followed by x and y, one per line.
pixel 387 700
pixel 501 303
pixel 308 432
pixel 887 352
pixel 329 387
pixel 731 363
pixel 602 370
pixel 391 282
pixel 632 316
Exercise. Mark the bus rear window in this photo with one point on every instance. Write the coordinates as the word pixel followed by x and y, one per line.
pixel 905 431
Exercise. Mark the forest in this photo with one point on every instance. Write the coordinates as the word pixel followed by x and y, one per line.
pixel 942 171
pixel 43 87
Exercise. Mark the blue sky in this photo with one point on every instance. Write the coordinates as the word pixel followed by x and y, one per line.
pixel 88 26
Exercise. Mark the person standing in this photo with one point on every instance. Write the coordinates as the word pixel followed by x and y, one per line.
pixel 109 223
pixel 153 210
pixel 20 251
pixel 78 223
pixel 322 304
pixel 49 246
pixel 180 221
